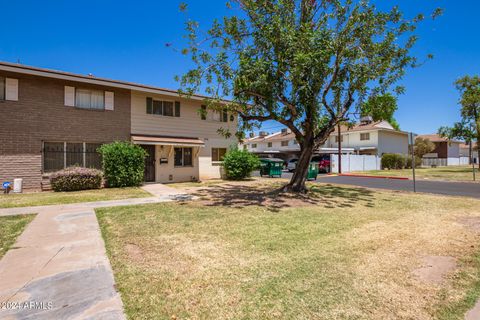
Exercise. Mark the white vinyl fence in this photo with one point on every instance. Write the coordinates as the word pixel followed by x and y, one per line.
pixel 443 162
pixel 353 162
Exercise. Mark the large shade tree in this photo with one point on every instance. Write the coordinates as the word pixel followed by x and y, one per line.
pixel 305 64
pixel 468 128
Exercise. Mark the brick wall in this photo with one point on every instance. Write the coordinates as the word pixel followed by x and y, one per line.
pixel 40 115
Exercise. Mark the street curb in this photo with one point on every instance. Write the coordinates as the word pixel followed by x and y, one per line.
pixel 368 176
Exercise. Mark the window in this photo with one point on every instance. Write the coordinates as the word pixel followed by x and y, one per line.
pixel 59 155
pixel 90 99
pixel 163 108
pixel 183 157
pixel 2 88
pixel 336 138
pixel 220 116
pixel 254 145
pixel 269 145
pixel 218 154
pixel 285 143
pixel 74 154
pixel 203 113
pixel 364 136
pixel 53 156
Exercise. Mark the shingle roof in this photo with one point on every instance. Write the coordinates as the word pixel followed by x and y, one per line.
pixel 437 138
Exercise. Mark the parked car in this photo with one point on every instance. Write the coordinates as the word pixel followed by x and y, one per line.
pixel 323 163
pixel 292 165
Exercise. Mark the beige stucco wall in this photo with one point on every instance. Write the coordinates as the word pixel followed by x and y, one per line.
pixel 189 124
pixel 392 142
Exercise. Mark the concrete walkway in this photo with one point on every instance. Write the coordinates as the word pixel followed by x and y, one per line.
pixel 58 268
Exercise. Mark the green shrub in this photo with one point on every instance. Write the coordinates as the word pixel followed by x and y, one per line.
pixel 75 179
pixel 418 162
pixel 393 161
pixel 239 164
pixel 123 164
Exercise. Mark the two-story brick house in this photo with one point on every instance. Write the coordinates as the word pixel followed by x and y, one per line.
pixel 52 119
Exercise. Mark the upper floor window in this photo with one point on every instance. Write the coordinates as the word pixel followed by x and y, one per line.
pixel 336 138
pixel 285 143
pixel 90 99
pixel 254 145
pixel 364 136
pixel 163 107
pixel 269 145
pixel 215 115
pixel 2 88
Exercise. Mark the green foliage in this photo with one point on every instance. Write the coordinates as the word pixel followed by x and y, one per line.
pixel 423 146
pixel 393 161
pixel 239 164
pixel 408 162
pixel 123 164
pixel 76 179
pixel 381 107
pixel 469 128
pixel 299 63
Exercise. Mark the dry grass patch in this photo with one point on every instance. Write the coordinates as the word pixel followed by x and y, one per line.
pixel 10 228
pixel 341 253
pixel 50 198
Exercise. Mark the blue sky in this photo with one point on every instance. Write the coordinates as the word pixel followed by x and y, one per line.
pixel 125 41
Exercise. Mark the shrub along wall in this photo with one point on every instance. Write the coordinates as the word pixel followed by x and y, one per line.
pixel 75 179
pixel 239 164
pixel 123 164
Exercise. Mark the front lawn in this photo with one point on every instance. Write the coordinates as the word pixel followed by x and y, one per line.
pixel 49 198
pixel 10 228
pixel 244 252
pixel 452 173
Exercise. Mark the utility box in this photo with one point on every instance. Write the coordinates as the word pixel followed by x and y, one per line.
pixel 17 185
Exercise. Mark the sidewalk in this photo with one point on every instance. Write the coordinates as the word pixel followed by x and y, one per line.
pixel 59 264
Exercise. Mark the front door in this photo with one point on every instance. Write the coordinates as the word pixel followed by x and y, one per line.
pixel 149 175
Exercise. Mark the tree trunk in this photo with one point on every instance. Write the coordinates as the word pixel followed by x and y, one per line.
pixel 297 183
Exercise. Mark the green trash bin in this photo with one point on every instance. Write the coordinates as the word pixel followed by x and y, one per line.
pixel 271 167
pixel 312 171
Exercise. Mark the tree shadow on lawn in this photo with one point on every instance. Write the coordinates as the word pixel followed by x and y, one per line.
pixel 271 197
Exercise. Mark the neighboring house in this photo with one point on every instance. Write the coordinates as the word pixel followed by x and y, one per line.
pixel 444 148
pixel 367 137
pixel 52 120
pixel 371 138
pixel 446 152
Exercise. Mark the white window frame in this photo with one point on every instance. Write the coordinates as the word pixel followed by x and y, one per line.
pixel 183 158
pixel 365 134
pixel 90 91
pixel 211 155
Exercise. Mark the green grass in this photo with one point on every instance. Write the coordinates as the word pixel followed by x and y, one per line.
pixel 10 228
pixel 452 173
pixel 349 255
pixel 49 198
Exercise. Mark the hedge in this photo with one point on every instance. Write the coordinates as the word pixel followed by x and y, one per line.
pixel 123 164
pixel 393 161
pixel 239 164
pixel 75 179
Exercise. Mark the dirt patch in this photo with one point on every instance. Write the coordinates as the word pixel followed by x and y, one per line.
pixel 435 268
pixel 268 194
pixel 472 223
pixel 134 252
